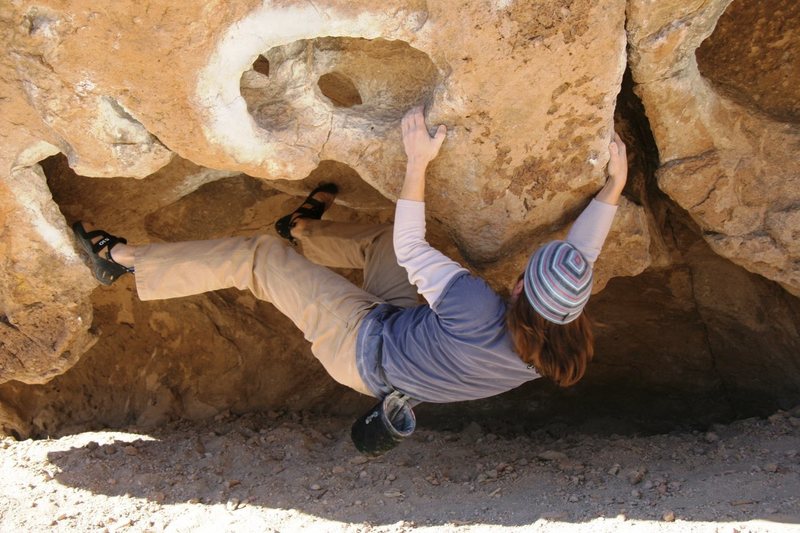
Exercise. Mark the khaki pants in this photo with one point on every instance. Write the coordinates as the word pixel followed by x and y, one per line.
pixel 326 307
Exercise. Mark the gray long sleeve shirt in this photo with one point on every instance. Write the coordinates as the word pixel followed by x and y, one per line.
pixel 457 346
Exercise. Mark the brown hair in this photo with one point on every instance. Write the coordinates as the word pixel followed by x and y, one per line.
pixel 559 352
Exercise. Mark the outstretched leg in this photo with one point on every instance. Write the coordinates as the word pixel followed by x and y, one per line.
pixel 347 245
pixel 325 306
pixel 365 246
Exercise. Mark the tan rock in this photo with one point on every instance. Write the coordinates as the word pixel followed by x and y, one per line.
pixel 282 90
pixel 189 96
pixel 733 169
pixel 44 320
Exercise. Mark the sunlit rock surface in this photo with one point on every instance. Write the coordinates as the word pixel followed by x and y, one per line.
pixel 221 110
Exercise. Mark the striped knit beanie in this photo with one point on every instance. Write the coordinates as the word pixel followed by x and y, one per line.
pixel 558 282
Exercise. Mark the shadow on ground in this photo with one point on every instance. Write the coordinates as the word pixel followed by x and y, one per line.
pixel 744 471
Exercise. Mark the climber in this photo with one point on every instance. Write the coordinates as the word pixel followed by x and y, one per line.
pixel 465 341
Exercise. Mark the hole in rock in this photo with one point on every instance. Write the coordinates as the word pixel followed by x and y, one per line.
pixel 754 56
pixel 377 80
pixel 261 65
pixel 339 89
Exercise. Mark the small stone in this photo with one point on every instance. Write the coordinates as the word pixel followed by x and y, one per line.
pixel 574 499
pixel 338 470
pixel 795 421
pixel 232 504
pixel 363 474
pixel 130 450
pixel 614 470
pixel 232 483
pixel 391 477
pixel 472 431
pixel 668 516
pixel 636 476
pixel 110 450
pixel 712 437
pixel 776 418
pixel 552 455
pixel 636 494
pixel 572 466
pixel 358 460
pixel 393 494
pixel 771 467
pixel 315 486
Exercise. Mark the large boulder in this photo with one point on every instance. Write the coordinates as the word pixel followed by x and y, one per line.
pixel 218 110
pixel 279 90
pixel 732 166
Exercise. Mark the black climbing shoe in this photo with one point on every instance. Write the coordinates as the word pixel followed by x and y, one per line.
pixel 105 269
pixel 285 224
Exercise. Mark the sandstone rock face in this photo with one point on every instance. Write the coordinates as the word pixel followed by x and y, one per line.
pixel 280 91
pixel 45 316
pixel 218 108
pixel 733 168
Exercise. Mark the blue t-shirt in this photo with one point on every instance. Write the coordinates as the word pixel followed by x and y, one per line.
pixel 459 349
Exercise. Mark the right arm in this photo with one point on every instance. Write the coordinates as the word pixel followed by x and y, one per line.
pixel 617 172
pixel 589 231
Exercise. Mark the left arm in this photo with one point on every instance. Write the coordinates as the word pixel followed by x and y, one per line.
pixel 428 269
pixel 421 149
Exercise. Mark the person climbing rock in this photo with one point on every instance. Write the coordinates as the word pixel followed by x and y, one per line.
pixel 464 342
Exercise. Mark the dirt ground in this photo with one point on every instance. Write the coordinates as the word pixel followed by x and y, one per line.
pixel 286 472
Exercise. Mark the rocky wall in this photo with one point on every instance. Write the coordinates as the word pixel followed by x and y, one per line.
pixel 183 121
pixel 731 165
